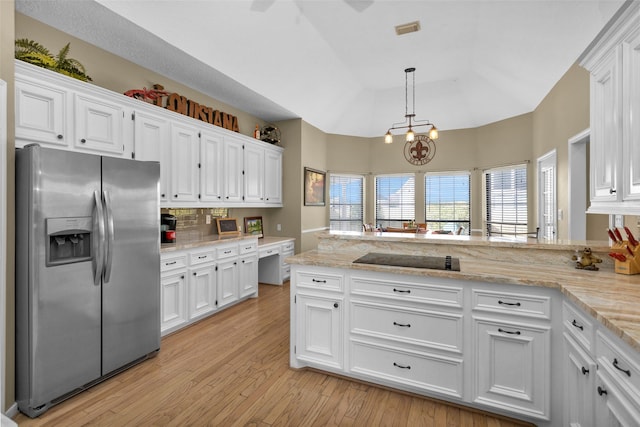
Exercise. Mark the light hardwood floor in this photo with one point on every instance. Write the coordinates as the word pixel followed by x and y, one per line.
pixel 232 369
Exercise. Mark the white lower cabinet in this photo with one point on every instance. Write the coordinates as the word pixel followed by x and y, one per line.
pixel 321 338
pixel 612 408
pixel 512 362
pixel 580 374
pixel 197 283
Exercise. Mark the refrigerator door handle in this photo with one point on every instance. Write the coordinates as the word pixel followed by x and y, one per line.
pixel 99 240
pixel 110 236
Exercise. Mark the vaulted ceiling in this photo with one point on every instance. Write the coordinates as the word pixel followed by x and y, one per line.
pixel 339 64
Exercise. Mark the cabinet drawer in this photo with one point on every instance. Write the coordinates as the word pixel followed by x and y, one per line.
pixel 442 331
pixel 269 251
pixel 414 369
pixel 578 325
pixel 515 304
pixel 173 262
pixel 196 258
pixel 248 246
pixel 314 280
pixel 287 246
pixel 450 296
pixel 226 252
pixel 286 272
pixel 621 366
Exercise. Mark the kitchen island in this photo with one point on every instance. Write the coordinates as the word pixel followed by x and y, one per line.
pixel 518 330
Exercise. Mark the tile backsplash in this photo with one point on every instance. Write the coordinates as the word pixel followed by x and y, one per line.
pixel 194 221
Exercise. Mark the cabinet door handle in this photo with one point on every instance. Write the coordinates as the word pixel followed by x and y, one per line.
pixel 170 263
pixel 401 366
pixel 318 281
pixel 574 323
pixel 202 257
pixel 615 365
pixel 517 304
pixel 227 252
pixel 584 370
pixel 335 305
pixel 508 332
pixel 404 325
pixel 612 191
pixel 402 291
pixel 60 137
pixel 83 140
pixel 601 391
pixel 175 195
pixel 182 277
pixel 194 273
pixel 162 195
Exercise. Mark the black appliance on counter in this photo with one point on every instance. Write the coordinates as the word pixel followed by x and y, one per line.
pixel 168 228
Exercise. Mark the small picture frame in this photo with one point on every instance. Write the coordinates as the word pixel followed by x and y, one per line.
pixel 253 226
pixel 314 187
pixel 227 226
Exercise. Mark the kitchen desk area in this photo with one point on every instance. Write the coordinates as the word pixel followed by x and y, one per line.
pixel 517 331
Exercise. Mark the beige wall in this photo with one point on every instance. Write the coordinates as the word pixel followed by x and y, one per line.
pixel 6 74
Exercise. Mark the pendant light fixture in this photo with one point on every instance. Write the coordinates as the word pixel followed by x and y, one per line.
pixel 410 122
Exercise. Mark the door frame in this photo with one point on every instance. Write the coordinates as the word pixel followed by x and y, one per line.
pixel 548 160
pixel 578 185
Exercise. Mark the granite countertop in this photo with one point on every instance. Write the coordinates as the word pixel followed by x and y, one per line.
pixel 197 240
pixel 613 299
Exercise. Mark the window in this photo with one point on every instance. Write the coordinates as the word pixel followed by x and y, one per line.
pixel 447 201
pixel 395 200
pixel 506 191
pixel 345 202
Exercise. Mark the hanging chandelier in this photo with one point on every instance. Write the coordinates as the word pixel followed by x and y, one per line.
pixel 409 122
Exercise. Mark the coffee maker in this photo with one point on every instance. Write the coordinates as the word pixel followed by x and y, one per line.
pixel 168 228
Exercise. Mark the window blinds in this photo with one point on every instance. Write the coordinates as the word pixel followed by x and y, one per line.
pixel 447 201
pixel 346 202
pixel 395 199
pixel 506 192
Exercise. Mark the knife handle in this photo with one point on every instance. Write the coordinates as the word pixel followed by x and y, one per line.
pixel 632 238
pixel 618 235
pixel 612 236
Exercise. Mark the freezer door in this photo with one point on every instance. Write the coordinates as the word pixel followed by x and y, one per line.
pixel 131 282
pixel 57 301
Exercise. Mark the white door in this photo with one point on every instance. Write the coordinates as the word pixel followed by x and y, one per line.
pixel 578 181
pixel 253 174
pixel 233 164
pixel 185 150
pixel 174 306
pixel 99 126
pixel 152 142
pixel 580 373
pixel 273 177
pixel 547 199
pixel 319 330
pixel 630 114
pixel 202 291
pixel 212 167
pixel 227 282
pixel 248 275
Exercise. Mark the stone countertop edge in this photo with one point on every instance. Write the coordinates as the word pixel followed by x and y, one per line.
pixel 452 239
pixel 613 299
pixel 215 239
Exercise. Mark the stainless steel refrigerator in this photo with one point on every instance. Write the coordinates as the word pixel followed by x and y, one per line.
pixel 87 271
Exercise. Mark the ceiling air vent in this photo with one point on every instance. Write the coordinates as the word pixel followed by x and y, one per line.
pixel 411 27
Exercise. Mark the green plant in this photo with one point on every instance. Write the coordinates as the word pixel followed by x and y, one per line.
pixel 36 54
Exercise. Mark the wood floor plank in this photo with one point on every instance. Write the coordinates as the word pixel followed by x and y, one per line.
pixel 232 369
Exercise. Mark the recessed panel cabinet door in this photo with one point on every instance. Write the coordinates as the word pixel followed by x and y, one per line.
pixel 605 128
pixel 631 115
pixel 320 330
pixel 202 291
pixel 253 173
pixel 152 142
pixel 185 155
pixel 248 275
pixel 174 306
pixel 233 176
pixel 212 167
pixel 273 177
pixel 512 367
pixel 227 282
pixel 580 373
pixel 41 113
pixel 99 126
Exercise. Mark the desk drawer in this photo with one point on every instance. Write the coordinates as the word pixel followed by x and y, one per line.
pixel 269 251
pixel 288 246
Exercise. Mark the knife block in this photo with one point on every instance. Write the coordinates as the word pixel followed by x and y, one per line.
pixel 632 264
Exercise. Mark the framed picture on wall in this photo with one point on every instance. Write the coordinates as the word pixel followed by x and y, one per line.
pixel 314 187
pixel 253 226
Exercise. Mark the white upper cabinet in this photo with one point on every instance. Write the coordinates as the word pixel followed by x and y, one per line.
pixel 273 177
pixel 614 63
pixel 234 164
pixel 201 165
pixel 99 125
pixel 212 167
pixel 185 156
pixel 253 173
pixel 41 113
pixel 152 140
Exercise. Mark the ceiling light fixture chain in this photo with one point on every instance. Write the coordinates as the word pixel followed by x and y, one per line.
pixel 409 122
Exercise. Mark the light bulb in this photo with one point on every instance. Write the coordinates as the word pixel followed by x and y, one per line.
pixel 433 133
pixel 410 135
pixel 388 138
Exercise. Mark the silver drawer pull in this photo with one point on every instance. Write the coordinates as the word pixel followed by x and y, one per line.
pixel 318 281
pixel 248 247
pixel 202 257
pixel 402 291
pixel 508 332
pixel 574 323
pixel 401 366
pixel 615 365
pixel 227 252
pixel 517 304
pixel 170 263
pixel 403 325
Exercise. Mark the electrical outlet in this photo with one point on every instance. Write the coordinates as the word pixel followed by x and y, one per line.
pixel 208 219
pixel 278 227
